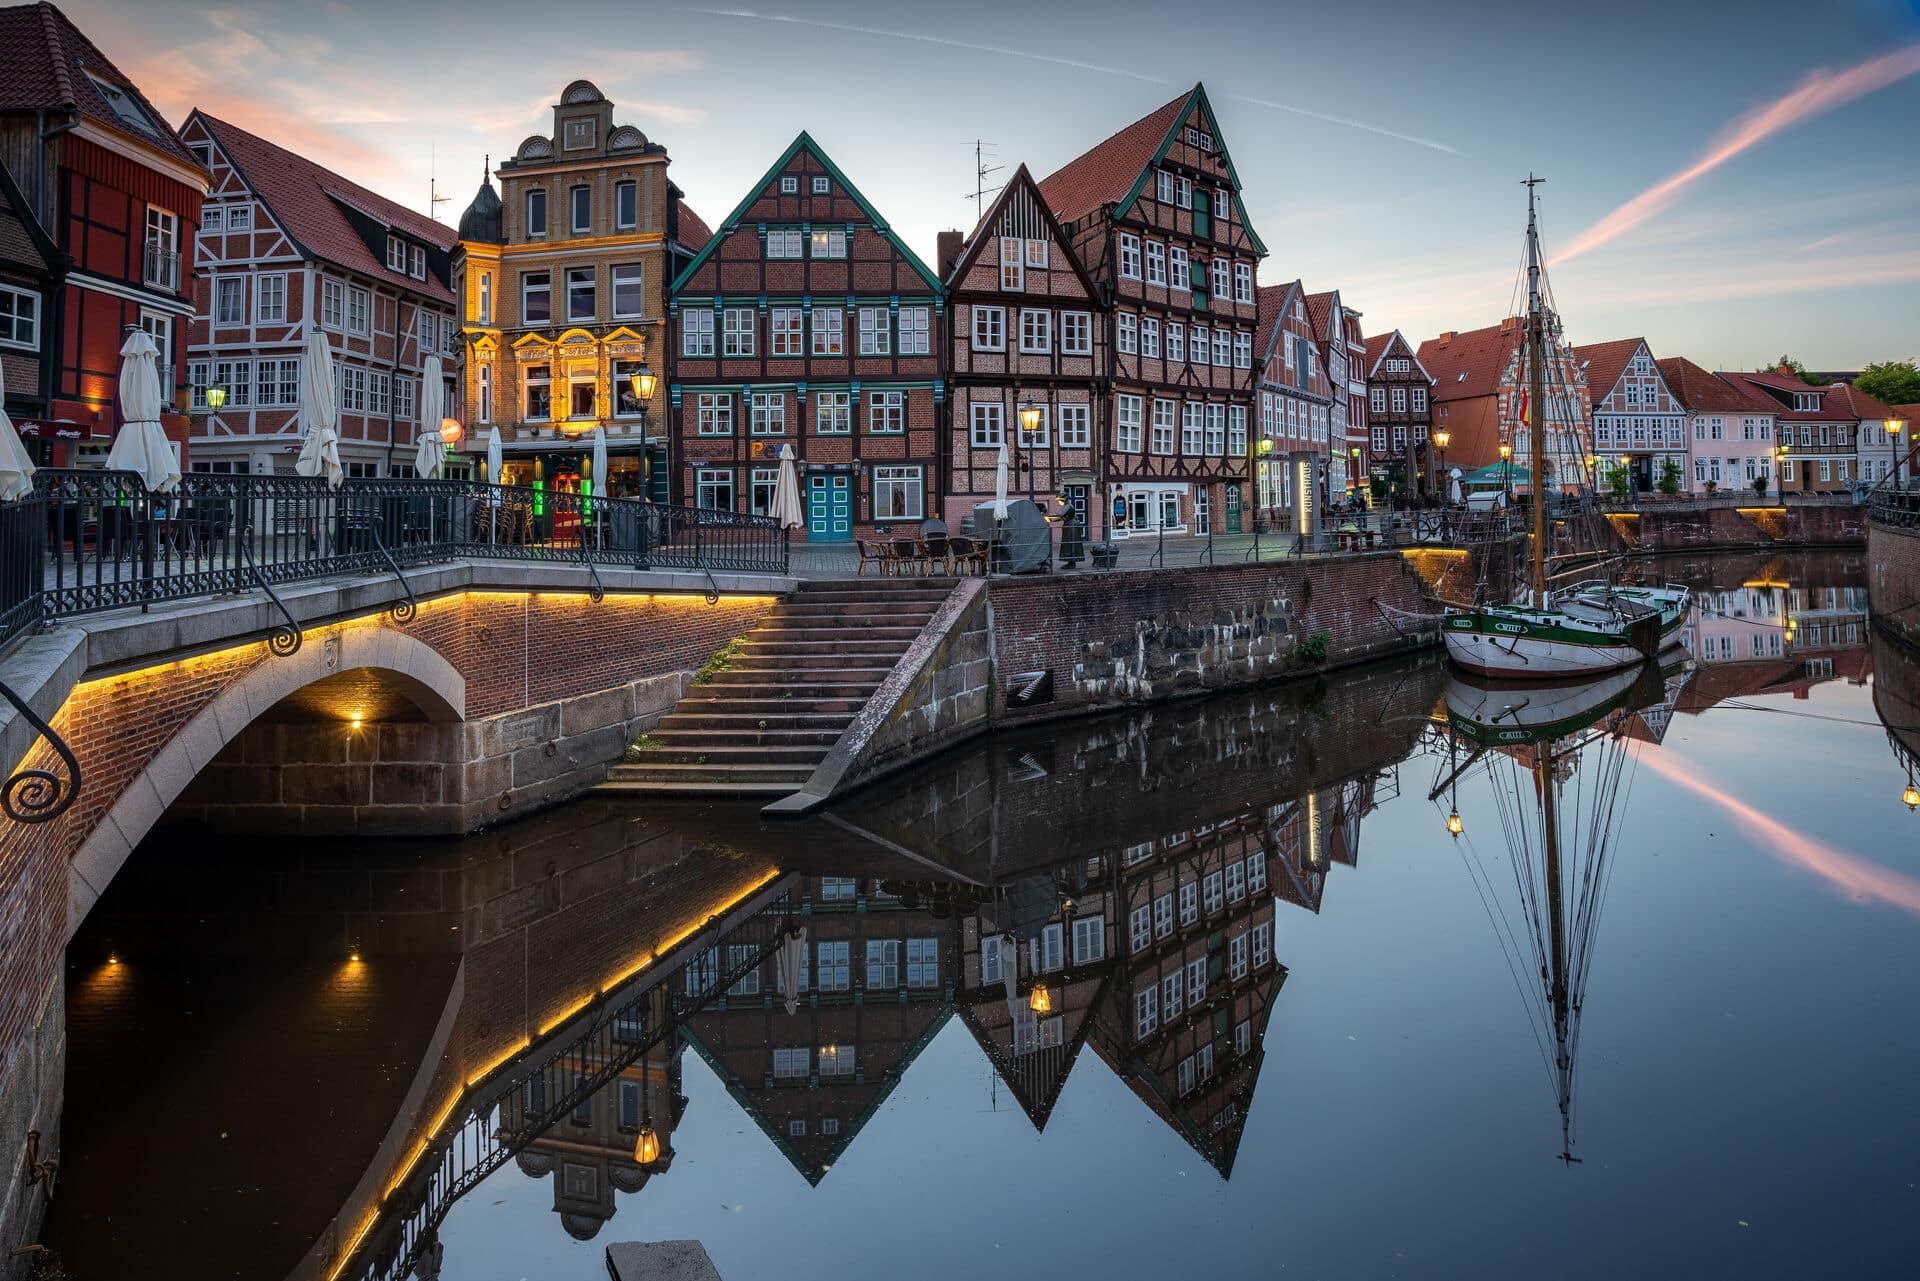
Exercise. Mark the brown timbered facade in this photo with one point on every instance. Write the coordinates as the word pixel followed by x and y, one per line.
pixel 1028 330
pixel 285 246
pixel 1296 412
pixel 806 321
pixel 1399 414
pixel 1154 214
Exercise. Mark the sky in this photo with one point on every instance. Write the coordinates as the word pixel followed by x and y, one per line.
pixel 1732 181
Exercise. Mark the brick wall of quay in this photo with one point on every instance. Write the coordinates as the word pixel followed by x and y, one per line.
pixel 1893 581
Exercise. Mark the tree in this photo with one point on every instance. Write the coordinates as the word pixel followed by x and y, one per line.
pixel 1618 479
pixel 1790 365
pixel 1760 485
pixel 1897 382
pixel 1669 482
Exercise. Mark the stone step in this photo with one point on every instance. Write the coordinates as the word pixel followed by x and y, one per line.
pixel 774 705
pixel 748 755
pixel 824 659
pixel 755 643
pixel 880 606
pixel 680 787
pixel 792 696
pixel 886 628
pixel 841 586
pixel 739 736
pixel 792 776
pixel 778 624
pixel 684 719
pixel 843 673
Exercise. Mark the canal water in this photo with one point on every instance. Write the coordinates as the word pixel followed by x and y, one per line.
pixel 1213 989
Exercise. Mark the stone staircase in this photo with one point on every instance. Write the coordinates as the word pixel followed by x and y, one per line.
pixel 761 726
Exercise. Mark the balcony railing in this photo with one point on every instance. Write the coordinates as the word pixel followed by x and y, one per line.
pixel 91 540
pixel 161 266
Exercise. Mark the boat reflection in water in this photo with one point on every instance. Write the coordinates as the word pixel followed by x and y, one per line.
pixel 1556 759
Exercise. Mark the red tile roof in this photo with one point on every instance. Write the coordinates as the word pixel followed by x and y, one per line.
pixel 1605 362
pixel 1320 312
pixel 1109 170
pixel 693 230
pixel 1857 403
pixel 1701 391
pixel 44 64
pixel 1377 347
pixel 1838 402
pixel 1270 301
pixel 305 200
pixel 1469 364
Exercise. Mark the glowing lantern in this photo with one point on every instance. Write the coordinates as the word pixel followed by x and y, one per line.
pixel 646 1145
pixel 643 383
pixel 1040 1001
pixel 216 397
pixel 1454 825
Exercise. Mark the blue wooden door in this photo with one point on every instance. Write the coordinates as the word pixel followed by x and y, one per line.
pixel 829 508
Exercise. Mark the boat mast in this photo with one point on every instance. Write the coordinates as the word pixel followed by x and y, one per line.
pixel 1537 399
pixel 1559 1001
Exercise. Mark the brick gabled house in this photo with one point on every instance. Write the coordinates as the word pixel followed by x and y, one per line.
pixel 1730 431
pixel 807 321
pixel 1028 329
pixel 1479 381
pixel 1336 329
pixel 31 268
pixel 1636 415
pixel 285 246
pixel 1296 411
pixel 1820 426
pixel 1154 213
pixel 1400 414
pixel 106 177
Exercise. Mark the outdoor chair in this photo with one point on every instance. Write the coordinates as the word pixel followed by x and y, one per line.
pixel 969 555
pixel 872 553
pixel 906 555
pixel 937 549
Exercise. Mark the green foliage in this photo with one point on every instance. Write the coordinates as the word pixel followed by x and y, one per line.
pixel 1895 381
pixel 720 662
pixel 1669 482
pixel 1314 648
pixel 1618 479
pixel 1760 485
pixel 645 743
pixel 1792 366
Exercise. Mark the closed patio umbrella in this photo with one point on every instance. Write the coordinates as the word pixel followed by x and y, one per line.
pixel 493 456
pixel 1000 484
pixel 786 493
pixel 141 445
pixel 430 451
pixel 320 449
pixel 600 461
pixel 793 950
pixel 16 469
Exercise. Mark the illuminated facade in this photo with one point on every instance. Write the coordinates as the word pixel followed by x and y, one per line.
pixel 562 278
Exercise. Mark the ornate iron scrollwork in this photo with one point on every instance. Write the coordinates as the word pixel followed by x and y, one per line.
pixel 402 611
pixel 285 639
pixel 39 795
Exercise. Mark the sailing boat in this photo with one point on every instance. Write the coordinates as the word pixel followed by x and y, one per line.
pixel 1556 755
pixel 1589 627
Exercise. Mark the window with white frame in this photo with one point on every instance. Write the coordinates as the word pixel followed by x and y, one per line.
pixel 229 300
pixel 713 413
pixel 1013 264
pixel 1222 273
pixel 537 212
pixel 359 311
pixel 1179 274
pixel 1163 414
pixel 1156 263
pixel 989 328
pixel 736 331
pixel 163 249
pixel 832 970
pixel 236 377
pixel 767 415
pixel 198 373
pixel 1196 980
pixel 582 302
pixel 1140 927
pixel 883 963
pixel 417 266
pixel 987 421
pixel 1146 1011
pixel 1163 915
pixel 696 331
pixel 761 484
pixel 923 962
pixel 1193 428
pixel 212 218
pixel 1243 351
pixel 333 304
pixel 833 413
pixel 1127 334
pixel 1222 347
pixel 1419 399
pixel 887 414
pixel 1150 336
pixel 1163 186
pixel 1212 892
pixel 353 388
pixel 789 185
pixel 899 492
pixel 405 392
pixel 1378 438
pixel 829 331
pixel 792 1061
pixel 1237 957
pixel 1201 345
pixel 1076 426
pixel 876 331
pixel 1076 333
pixel 994 954
pixel 1216 430
pixel 1377 399
pixel 378 391
pixel 580 202
pixel 240 218
pixel 1176 342
pixel 916 331
pixel 785 242
pixel 787 331
pixel 1236 430
pixel 1089 939
pixel 626 205
pixel 1127 424
pixel 831 243
pixel 822 185
pixel 1243 282
pixel 1036 331
pixel 1236 881
pixel 1262 945
pixel 1173 995
pixel 1129 256
pixel 627 281
pixel 270 298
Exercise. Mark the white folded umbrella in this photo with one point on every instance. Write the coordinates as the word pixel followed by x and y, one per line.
pixel 493 456
pixel 1000 484
pixel 430 450
pixel 16 469
pixel 786 493
pixel 320 449
pixel 600 461
pixel 141 445
pixel 793 950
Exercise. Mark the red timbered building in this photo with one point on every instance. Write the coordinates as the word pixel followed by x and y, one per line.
pixel 1638 421
pixel 1296 412
pixel 30 270
pixel 1154 214
pixel 1336 328
pixel 1028 332
pixel 102 171
pixel 1399 414
pixel 285 245
pixel 806 321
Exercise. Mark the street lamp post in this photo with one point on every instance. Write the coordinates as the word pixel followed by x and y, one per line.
pixel 1506 472
pixel 1441 439
pixel 1626 465
pixel 1894 427
pixel 1780 473
pixel 1029 428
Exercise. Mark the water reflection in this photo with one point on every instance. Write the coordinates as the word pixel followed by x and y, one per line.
pixel 1109 899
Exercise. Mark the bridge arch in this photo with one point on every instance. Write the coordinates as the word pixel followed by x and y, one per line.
pixel 431 683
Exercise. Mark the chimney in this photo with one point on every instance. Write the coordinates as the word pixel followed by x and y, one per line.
pixel 1448 336
pixel 1784 369
pixel 1510 324
pixel 947 251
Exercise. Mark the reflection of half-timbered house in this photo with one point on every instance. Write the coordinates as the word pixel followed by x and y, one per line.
pixel 285 246
pixel 1154 213
pixel 1296 408
pixel 806 321
pixel 875 987
pixel 1028 333
pixel 1186 1013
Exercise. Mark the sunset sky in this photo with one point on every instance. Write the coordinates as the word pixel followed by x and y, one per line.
pixel 1730 180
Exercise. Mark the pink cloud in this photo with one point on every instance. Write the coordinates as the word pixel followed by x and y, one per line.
pixel 1821 92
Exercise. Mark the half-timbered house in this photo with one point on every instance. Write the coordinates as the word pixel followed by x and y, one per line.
pixel 1155 215
pixel 1638 421
pixel 1400 415
pixel 107 178
pixel 1296 412
pixel 285 246
pixel 1480 393
pixel 1028 332
pixel 1336 328
pixel 30 270
pixel 806 321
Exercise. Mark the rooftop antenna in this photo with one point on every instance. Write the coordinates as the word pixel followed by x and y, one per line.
pixel 981 169
pixel 434 198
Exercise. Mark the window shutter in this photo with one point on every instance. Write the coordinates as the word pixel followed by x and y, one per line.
pixel 1201 209
pixel 1199 270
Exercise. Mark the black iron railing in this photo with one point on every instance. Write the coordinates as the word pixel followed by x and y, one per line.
pixel 1896 505
pixel 92 540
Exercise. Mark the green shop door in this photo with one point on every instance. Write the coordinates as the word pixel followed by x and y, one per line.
pixel 1233 509
pixel 829 508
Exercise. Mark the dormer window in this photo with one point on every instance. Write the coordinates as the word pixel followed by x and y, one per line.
pixel 418 269
pixel 123 104
pixel 1806 402
pixel 396 255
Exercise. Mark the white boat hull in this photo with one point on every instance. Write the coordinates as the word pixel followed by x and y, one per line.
pixel 1536 659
